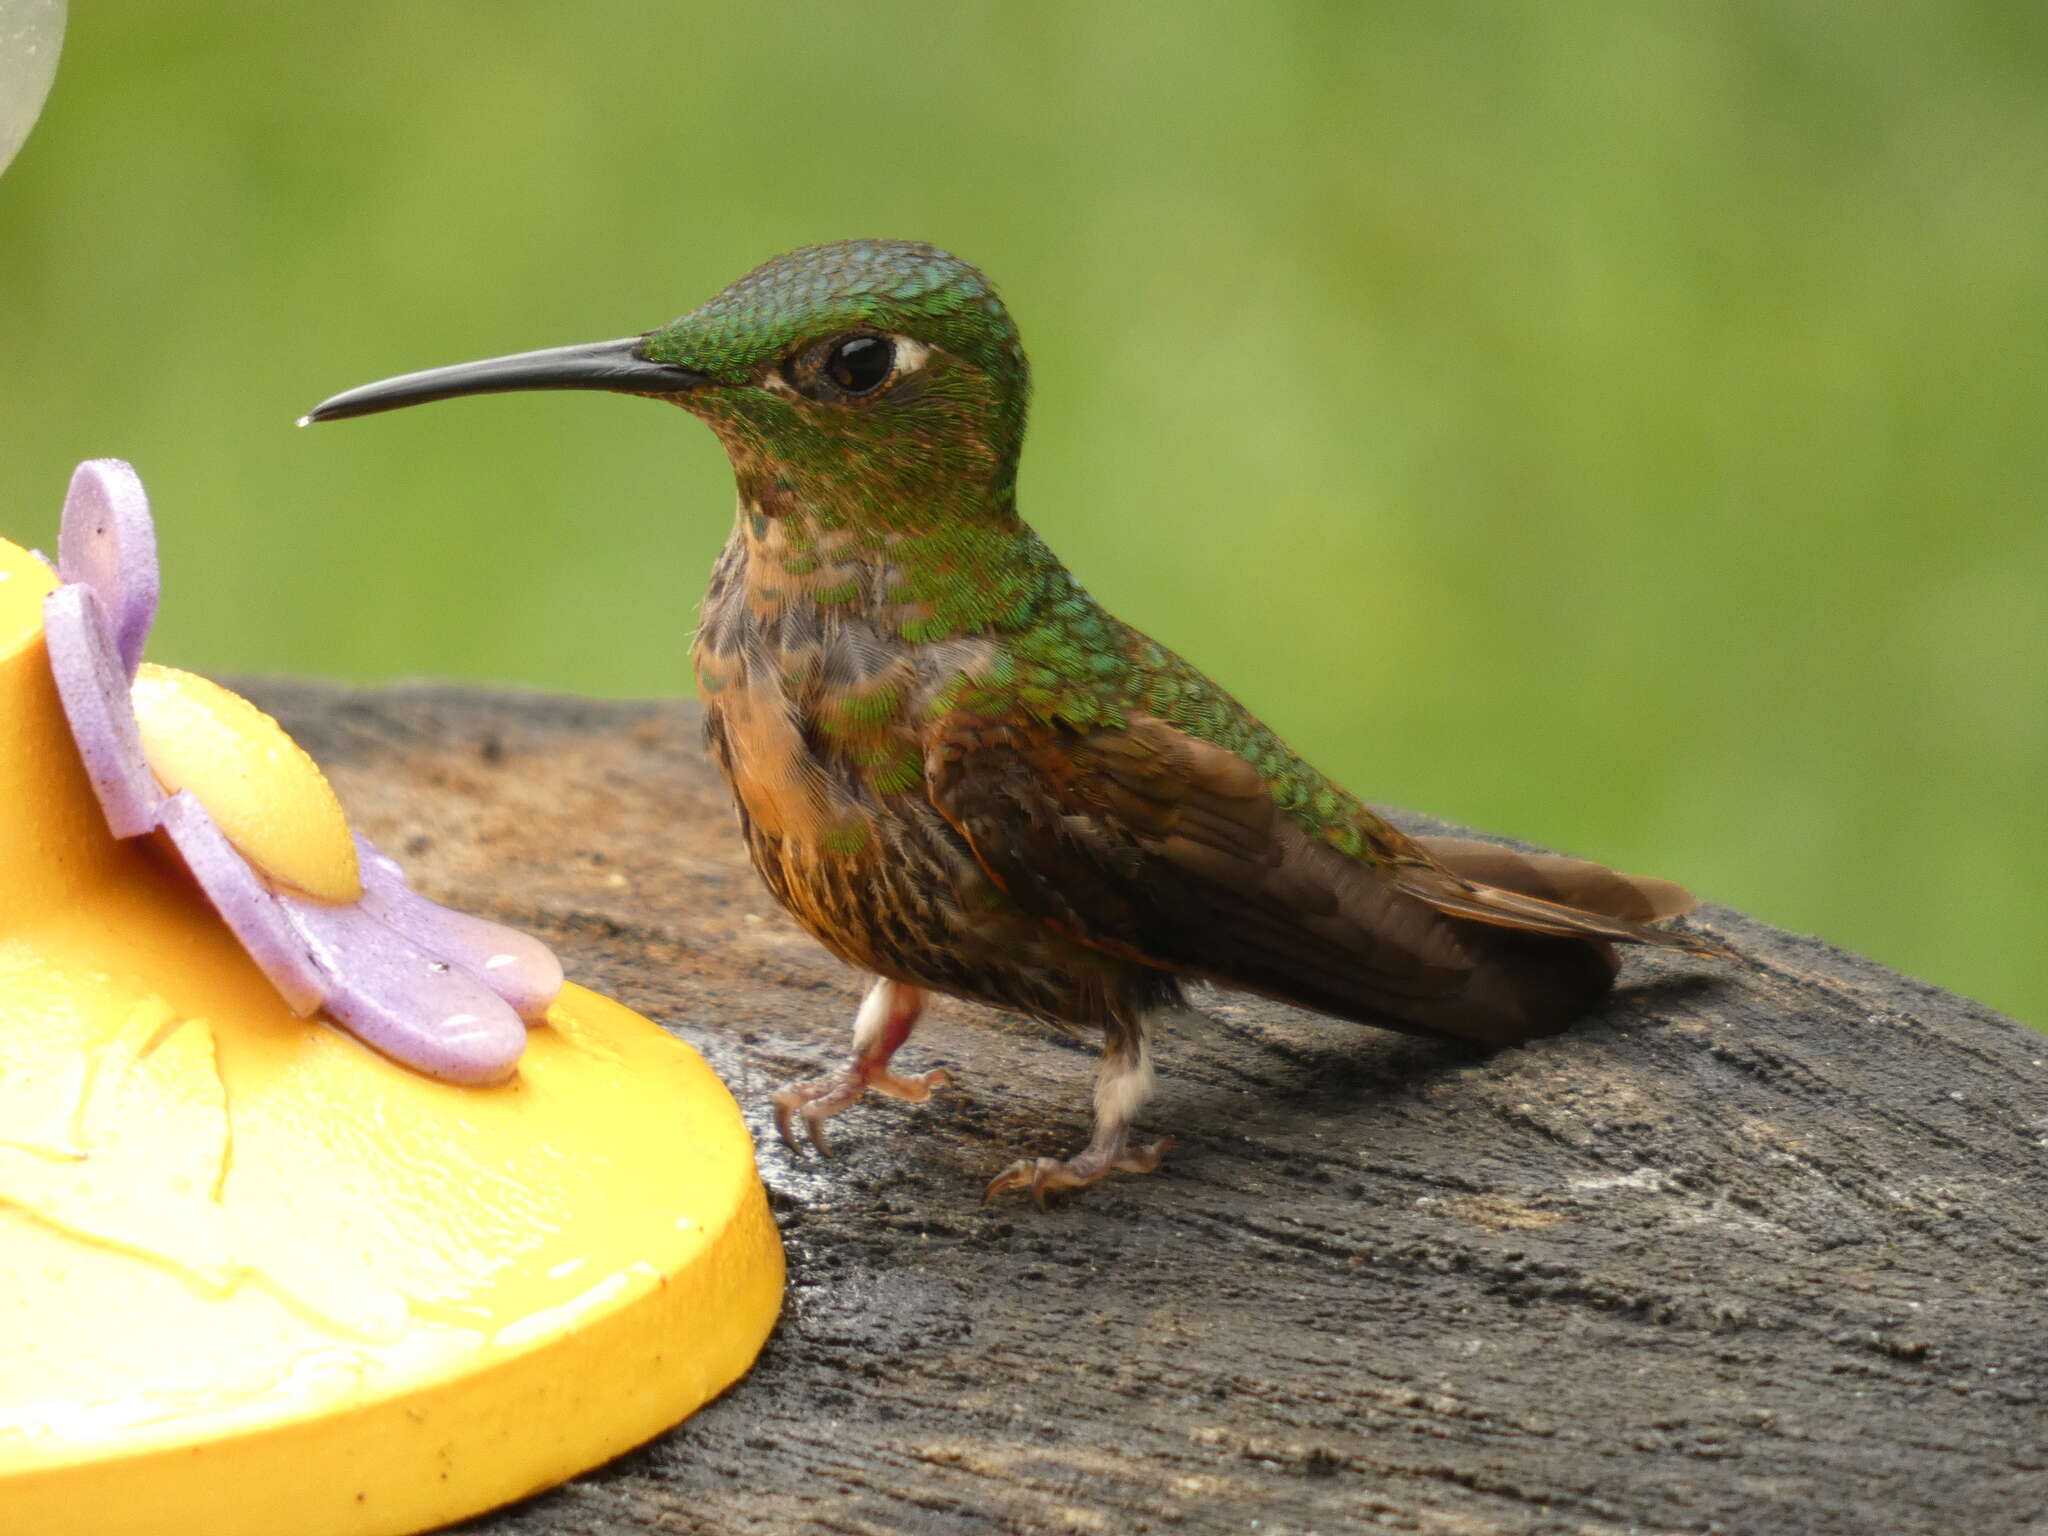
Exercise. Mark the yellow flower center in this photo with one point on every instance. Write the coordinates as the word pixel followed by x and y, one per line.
pixel 268 797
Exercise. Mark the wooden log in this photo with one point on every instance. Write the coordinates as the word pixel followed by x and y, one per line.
pixel 1756 1248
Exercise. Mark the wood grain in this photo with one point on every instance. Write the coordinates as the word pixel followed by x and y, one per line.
pixel 1752 1249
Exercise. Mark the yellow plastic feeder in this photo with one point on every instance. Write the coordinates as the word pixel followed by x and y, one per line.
pixel 256 1278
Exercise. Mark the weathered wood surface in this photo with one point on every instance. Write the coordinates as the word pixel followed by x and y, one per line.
pixel 1755 1249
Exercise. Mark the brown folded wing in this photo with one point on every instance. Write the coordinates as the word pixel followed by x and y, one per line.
pixel 1150 844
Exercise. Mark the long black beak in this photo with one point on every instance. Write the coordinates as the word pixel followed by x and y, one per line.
pixel 613 365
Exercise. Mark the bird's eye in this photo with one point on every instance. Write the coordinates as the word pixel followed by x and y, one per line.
pixel 860 363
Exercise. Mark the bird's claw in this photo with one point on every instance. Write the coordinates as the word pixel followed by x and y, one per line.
pixel 1047 1175
pixel 823 1097
pixel 914 1089
pixel 788 1102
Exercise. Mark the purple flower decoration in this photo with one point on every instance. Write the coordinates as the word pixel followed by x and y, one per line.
pixel 442 992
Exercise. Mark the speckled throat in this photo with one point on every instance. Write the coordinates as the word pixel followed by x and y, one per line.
pixel 822 677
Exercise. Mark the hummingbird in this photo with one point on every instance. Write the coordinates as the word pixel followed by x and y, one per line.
pixel 963 776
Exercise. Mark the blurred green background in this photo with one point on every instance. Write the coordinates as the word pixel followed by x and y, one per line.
pixel 1616 424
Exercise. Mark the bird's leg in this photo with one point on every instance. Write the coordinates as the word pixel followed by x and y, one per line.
pixel 1122 1085
pixel 887 1015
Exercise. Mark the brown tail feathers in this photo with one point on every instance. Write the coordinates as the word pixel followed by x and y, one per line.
pixel 1549 893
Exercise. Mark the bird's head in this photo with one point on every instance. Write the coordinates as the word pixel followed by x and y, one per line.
pixel 872 378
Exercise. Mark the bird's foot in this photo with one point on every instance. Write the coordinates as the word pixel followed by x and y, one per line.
pixel 820 1099
pixel 1045 1175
